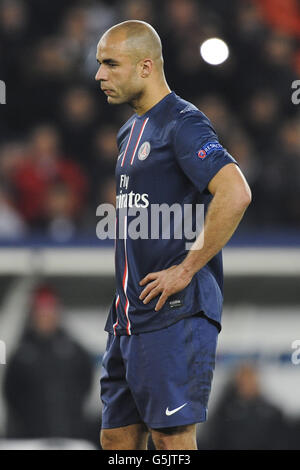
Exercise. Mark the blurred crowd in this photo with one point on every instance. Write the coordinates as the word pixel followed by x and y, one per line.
pixel 48 377
pixel 57 133
pixel 245 418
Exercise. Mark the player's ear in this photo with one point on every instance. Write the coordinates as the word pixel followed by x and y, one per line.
pixel 146 67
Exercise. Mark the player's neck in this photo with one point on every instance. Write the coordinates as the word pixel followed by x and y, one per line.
pixel 150 98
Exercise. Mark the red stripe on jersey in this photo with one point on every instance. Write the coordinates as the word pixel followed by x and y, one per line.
pixel 138 141
pixel 128 142
pixel 117 322
pixel 118 297
pixel 128 322
pixel 125 280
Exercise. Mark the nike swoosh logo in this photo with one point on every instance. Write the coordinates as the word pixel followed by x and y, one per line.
pixel 171 412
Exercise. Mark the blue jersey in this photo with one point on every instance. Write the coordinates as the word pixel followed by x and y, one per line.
pixel 166 156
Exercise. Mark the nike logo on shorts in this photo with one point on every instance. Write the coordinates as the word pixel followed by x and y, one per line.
pixel 171 412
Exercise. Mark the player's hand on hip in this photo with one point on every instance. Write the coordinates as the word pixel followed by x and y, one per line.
pixel 167 282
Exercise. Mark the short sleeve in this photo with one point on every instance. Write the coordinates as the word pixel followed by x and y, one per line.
pixel 198 151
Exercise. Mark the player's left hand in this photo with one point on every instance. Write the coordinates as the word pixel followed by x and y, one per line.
pixel 167 282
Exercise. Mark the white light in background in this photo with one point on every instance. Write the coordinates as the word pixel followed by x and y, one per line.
pixel 214 51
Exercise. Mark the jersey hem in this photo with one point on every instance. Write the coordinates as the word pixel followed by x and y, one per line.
pixel 123 332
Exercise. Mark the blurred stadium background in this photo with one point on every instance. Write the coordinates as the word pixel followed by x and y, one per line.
pixel 57 157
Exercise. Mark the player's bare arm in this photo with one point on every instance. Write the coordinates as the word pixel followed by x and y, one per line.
pixel 231 197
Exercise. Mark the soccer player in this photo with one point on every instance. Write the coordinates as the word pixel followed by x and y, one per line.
pixel 166 315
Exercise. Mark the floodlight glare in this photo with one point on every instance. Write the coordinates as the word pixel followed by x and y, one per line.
pixel 214 51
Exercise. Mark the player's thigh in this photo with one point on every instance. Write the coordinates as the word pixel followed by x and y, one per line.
pixel 175 438
pixel 119 408
pixel 132 437
pixel 170 372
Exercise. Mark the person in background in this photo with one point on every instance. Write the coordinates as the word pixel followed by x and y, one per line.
pixel 243 418
pixel 77 125
pixel 12 226
pixel 48 377
pixel 44 169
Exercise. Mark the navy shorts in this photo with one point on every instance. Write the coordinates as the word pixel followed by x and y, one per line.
pixel 161 378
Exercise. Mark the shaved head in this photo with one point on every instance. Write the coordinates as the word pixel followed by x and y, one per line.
pixel 131 65
pixel 138 39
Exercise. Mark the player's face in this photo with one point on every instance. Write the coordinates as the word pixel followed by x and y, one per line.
pixel 118 72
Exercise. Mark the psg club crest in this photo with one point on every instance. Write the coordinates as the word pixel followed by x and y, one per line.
pixel 144 151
